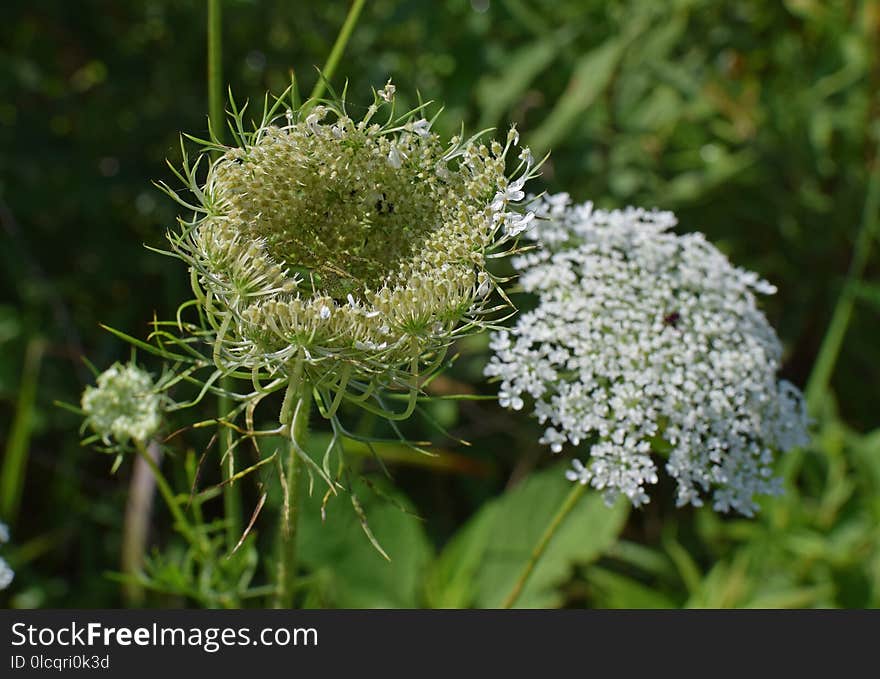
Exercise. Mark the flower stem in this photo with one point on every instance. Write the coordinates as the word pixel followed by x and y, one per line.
pixel 568 504
pixel 338 48
pixel 137 522
pixel 215 69
pixel 299 425
pixel 823 368
pixel 168 495
pixel 216 118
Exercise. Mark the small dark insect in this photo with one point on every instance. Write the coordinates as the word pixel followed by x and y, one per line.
pixel 382 205
pixel 672 319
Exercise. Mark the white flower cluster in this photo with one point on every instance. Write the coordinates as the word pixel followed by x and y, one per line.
pixel 6 573
pixel 124 405
pixel 647 344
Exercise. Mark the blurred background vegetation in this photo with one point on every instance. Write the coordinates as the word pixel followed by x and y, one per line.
pixel 757 122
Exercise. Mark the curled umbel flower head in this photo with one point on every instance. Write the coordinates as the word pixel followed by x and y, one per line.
pixel 124 406
pixel 354 249
pixel 647 345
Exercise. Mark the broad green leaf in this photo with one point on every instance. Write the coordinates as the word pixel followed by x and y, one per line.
pixel 503 534
pixel 350 572
pixel 452 580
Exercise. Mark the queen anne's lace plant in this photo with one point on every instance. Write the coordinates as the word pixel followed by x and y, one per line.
pixel 124 405
pixel 643 344
pixel 347 252
pixel 6 573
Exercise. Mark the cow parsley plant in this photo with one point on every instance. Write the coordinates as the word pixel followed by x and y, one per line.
pixel 646 345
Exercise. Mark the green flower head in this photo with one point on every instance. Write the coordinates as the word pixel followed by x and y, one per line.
pixel 124 405
pixel 348 247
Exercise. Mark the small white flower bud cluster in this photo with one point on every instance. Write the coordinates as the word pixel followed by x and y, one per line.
pixel 6 573
pixel 647 344
pixel 124 406
pixel 347 245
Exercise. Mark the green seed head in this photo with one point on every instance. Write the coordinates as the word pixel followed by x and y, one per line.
pixel 344 244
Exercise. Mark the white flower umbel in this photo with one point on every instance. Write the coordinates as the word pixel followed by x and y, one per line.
pixel 645 344
pixel 6 573
pixel 123 406
pixel 348 252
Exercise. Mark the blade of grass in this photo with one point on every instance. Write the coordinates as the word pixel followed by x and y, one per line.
pixel 18 446
pixel 338 48
pixel 829 351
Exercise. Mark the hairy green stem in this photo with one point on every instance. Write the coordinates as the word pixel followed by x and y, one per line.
pixel 568 504
pixel 823 368
pixel 299 399
pixel 217 120
pixel 338 48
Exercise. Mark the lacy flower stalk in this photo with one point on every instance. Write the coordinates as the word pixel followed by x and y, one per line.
pixel 645 344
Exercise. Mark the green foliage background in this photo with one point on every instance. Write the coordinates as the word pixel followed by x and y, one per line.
pixel 757 122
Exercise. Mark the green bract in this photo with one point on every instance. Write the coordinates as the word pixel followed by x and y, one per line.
pixel 345 251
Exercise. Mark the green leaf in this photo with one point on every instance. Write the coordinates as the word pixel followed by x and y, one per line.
pixel 724 586
pixel 614 590
pixel 870 292
pixel 452 580
pixel 349 570
pixel 803 597
pixel 502 535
